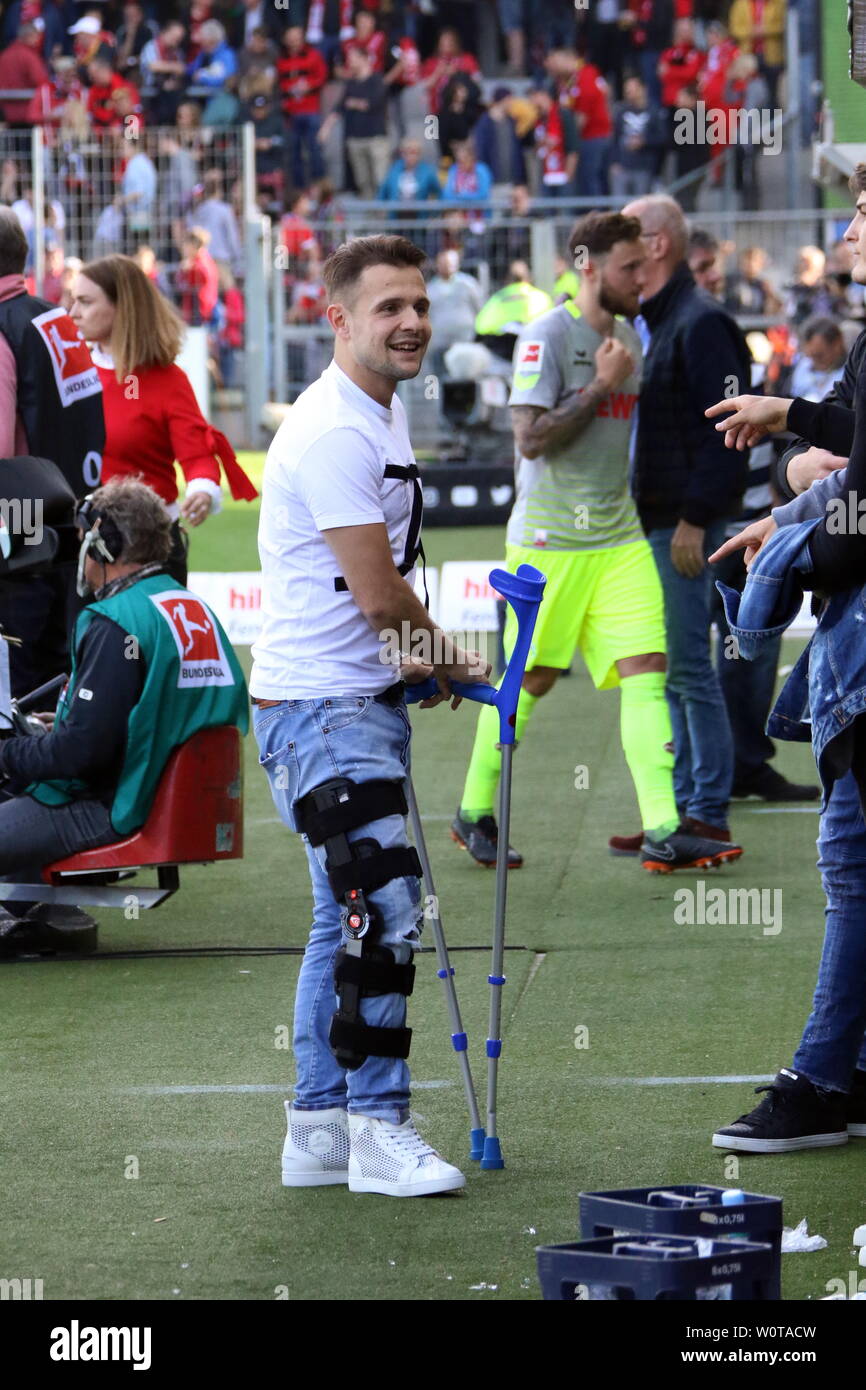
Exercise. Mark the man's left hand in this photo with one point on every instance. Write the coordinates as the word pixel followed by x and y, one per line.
pixel 414 672
pixel 687 549
pixel 195 508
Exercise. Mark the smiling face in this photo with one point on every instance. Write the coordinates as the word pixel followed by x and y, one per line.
pixel 92 311
pixel 382 326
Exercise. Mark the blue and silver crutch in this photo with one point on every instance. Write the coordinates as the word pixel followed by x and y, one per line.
pixel 524 591
pixel 445 970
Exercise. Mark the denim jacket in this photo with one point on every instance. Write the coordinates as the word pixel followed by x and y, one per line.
pixel 826 690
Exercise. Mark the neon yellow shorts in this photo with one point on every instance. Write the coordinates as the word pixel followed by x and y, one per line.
pixel 606 604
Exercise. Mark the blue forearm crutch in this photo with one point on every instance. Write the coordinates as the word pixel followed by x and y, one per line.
pixel 524 591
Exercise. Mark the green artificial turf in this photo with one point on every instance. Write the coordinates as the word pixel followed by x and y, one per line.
pixel 603 963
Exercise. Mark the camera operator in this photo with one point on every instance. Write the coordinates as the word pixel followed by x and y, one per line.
pixel 151 666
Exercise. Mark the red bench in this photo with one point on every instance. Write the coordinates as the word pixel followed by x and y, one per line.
pixel 196 818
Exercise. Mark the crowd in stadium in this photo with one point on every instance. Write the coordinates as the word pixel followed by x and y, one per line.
pixel 140 105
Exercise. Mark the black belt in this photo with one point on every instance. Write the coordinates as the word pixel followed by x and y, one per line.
pixel 393 695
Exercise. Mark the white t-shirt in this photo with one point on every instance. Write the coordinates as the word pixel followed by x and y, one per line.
pixel 325 468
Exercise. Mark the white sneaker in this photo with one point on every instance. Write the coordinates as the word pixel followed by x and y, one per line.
pixel 316 1150
pixel 396 1161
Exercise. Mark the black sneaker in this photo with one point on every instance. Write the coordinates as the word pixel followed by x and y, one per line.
pixel 48 929
pixel 682 850
pixel 857 1106
pixel 480 837
pixel 793 1115
pixel 769 785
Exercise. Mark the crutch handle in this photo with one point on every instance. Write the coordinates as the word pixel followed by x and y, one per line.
pixel 469 690
pixel 524 591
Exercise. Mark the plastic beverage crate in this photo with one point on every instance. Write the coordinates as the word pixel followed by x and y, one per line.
pixel 640 1267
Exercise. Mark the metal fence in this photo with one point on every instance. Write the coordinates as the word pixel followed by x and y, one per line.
pixel 488 244
pixel 135 186
pixel 138 191
pixel 80 197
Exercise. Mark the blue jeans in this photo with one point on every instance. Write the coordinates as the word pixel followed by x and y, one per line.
pixel 304 145
pixel 303 743
pixel 703 747
pixel 593 159
pixel 833 1044
pixel 748 686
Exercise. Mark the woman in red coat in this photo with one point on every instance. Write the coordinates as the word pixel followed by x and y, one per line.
pixel 151 415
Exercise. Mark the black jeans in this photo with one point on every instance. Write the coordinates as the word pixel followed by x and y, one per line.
pixel 33 835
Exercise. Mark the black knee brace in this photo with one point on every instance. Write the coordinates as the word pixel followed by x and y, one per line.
pixel 354 869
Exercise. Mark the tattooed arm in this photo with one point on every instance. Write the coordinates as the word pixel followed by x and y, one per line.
pixel 539 432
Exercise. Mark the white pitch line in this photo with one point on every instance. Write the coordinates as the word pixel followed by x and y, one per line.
pixel 672 1080
pixel 244 1090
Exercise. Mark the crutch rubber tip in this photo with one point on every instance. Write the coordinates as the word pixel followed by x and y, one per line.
pixel 476 1144
pixel 492 1155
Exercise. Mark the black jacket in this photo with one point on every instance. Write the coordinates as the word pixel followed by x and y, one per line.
pixel 59 394
pixel 90 742
pixel 697 354
pixel 841 394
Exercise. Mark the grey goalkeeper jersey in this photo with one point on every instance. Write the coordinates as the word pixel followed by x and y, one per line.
pixel 577 498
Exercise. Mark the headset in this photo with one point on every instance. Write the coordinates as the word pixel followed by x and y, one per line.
pixel 103 539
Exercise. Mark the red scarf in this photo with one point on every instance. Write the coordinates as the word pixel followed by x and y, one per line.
pixel 465 181
pixel 242 489
pixel 552 148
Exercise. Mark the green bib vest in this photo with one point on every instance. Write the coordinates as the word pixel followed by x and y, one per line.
pixel 517 303
pixel 192 681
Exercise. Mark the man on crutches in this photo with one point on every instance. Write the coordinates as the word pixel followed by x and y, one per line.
pixel 339 536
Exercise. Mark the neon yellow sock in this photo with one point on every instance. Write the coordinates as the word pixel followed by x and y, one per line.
pixel 479 791
pixel 645 727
